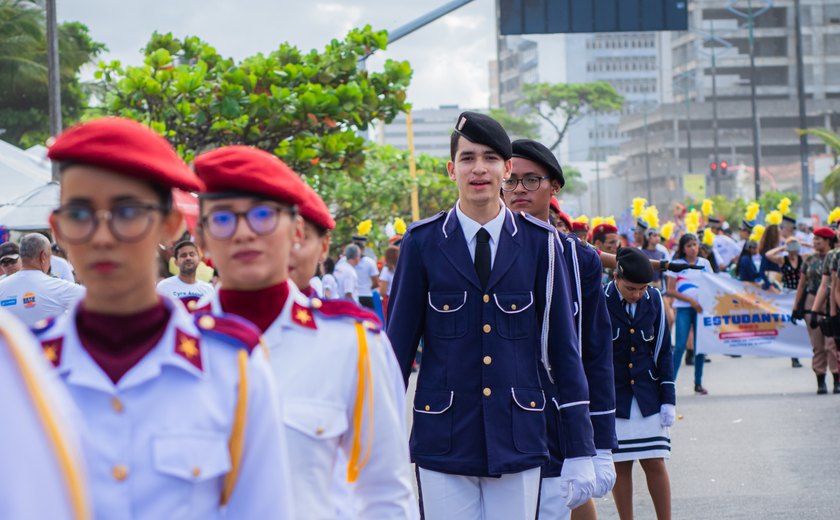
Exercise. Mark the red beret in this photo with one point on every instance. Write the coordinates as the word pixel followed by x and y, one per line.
pixel 604 228
pixel 555 205
pixel 565 218
pixel 313 210
pixel 125 147
pixel 243 169
pixel 824 232
pixel 579 226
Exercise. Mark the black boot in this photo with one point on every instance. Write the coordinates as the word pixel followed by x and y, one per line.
pixel 836 383
pixel 821 388
pixel 794 362
pixel 689 357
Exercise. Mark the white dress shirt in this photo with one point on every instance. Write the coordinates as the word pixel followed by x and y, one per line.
pixel 470 227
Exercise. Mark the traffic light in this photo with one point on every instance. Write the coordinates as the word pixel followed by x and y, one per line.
pixel 724 166
pixel 713 169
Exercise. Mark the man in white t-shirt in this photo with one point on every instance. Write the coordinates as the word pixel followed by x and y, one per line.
pixel 61 268
pixel 725 248
pixel 31 294
pixel 367 274
pixel 185 286
pixel 345 274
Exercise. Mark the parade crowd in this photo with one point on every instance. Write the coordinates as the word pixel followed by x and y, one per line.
pixel 235 370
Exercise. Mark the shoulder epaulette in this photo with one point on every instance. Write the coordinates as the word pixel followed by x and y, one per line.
pixel 229 328
pixel 425 221
pixel 193 307
pixel 347 309
pixel 43 326
pixel 537 222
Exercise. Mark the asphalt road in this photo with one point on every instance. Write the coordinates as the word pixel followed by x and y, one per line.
pixel 761 445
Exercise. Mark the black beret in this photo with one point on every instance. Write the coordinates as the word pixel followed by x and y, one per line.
pixel 540 154
pixel 715 220
pixel 641 225
pixel 789 219
pixel 359 238
pixel 634 266
pixel 747 225
pixel 483 129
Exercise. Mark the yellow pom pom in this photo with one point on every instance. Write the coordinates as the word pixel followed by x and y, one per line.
pixel 667 230
pixel 364 227
pixel 692 221
pixel 708 237
pixel 399 226
pixel 752 211
pixel 638 206
pixel 583 219
pixel 610 220
pixel 758 232
pixel 833 216
pixel 708 207
pixel 774 217
pixel 651 216
pixel 784 206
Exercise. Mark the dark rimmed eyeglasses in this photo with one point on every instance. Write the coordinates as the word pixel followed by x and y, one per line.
pixel 127 222
pixel 221 224
pixel 530 183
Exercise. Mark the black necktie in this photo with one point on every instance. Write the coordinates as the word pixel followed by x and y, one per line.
pixel 628 308
pixel 482 256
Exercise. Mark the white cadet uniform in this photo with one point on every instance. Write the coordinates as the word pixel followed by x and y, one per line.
pixel 33 296
pixel 163 440
pixel 315 356
pixel 41 473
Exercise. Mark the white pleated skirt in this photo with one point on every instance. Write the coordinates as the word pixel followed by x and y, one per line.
pixel 641 437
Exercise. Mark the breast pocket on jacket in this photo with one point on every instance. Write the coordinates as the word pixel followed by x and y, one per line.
pixel 528 420
pixel 514 314
pixel 447 314
pixel 316 419
pixel 197 461
pixel 432 431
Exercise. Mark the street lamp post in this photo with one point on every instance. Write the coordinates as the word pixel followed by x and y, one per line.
pixel 803 119
pixel 54 78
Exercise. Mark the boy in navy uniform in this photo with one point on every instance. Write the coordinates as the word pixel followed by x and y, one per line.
pixel 536 177
pixel 644 382
pixel 488 292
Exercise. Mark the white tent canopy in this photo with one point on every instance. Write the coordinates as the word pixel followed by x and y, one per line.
pixel 32 211
pixel 20 173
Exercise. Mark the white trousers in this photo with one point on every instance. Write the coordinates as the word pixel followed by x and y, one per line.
pixel 458 497
pixel 552 504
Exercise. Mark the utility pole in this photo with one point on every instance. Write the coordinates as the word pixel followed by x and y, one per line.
pixel 688 122
pixel 54 78
pixel 715 112
pixel 597 168
pixel 803 118
pixel 647 159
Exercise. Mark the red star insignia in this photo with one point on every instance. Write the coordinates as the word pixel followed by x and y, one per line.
pixel 303 316
pixel 187 347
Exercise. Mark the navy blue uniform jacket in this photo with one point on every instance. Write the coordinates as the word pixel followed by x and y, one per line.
pixel 592 322
pixel 642 355
pixel 478 409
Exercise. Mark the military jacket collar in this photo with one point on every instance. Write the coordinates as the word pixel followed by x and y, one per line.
pixel 617 309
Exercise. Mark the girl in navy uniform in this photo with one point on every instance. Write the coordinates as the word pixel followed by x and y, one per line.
pixel 644 382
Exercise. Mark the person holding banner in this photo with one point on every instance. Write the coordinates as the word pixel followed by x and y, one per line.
pixel 824 348
pixel 644 383
pixel 683 288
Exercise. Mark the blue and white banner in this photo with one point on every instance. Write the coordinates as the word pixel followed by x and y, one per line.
pixel 741 318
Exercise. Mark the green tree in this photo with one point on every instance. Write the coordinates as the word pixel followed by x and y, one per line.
pixel 561 105
pixel 381 191
pixel 24 102
pixel 574 181
pixel 830 189
pixel 770 200
pixel 307 108
pixel 518 127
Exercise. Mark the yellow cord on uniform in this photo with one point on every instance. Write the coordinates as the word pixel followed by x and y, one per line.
pixel 364 391
pixel 72 478
pixel 236 444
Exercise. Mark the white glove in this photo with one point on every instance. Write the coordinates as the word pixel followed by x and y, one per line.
pixel 604 472
pixel 667 414
pixel 577 481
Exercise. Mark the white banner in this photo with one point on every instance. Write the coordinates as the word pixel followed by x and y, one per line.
pixel 740 318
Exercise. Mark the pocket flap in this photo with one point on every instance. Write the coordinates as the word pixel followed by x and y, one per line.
pixel 513 303
pixel 647 334
pixel 447 301
pixel 433 401
pixel 317 419
pixel 191 456
pixel 529 399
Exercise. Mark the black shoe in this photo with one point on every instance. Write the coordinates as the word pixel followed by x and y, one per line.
pixel 707 360
pixel 821 388
pixel 836 383
pixel 689 357
pixel 698 389
pixel 794 363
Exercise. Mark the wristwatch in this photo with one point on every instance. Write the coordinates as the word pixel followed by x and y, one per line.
pixel 663 265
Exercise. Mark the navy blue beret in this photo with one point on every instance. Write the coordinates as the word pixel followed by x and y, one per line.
pixel 540 154
pixel 634 266
pixel 483 129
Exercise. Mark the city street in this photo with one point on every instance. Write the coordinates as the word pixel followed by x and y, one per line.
pixel 762 444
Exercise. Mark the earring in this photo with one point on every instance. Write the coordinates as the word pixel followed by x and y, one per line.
pixel 296 246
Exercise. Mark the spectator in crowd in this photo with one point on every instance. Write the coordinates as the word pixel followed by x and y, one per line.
pixel 31 294
pixel 683 287
pixel 745 269
pixel 392 254
pixel 771 239
pixel 328 281
pixel 59 266
pixel 790 262
pixel 650 248
pixel 367 274
pixel 346 275
pixel 185 286
pixel 9 259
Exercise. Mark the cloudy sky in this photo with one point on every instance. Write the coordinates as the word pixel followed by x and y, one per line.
pixel 449 57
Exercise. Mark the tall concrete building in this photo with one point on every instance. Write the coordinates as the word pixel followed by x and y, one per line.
pixel 432 128
pixel 517 65
pixel 659 145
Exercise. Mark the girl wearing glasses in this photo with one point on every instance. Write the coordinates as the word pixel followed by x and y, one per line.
pixel 181 418
pixel 331 362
